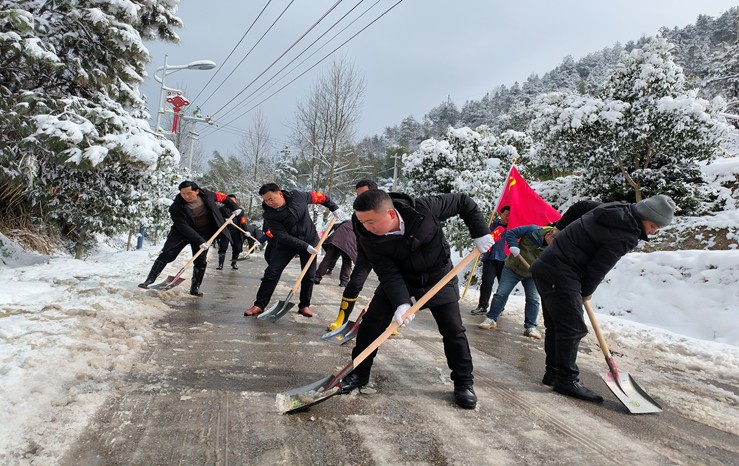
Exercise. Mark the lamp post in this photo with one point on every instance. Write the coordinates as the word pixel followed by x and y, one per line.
pixel 169 69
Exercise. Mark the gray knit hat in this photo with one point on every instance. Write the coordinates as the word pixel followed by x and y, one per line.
pixel 660 209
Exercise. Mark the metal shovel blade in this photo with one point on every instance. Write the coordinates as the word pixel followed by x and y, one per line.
pixel 309 395
pixel 274 313
pixel 631 394
pixel 167 284
pixel 337 331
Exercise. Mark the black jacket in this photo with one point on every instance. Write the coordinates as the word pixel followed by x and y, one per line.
pixel 184 222
pixel 576 210
pixel 411 264
pixel 589 248
pixel 291 225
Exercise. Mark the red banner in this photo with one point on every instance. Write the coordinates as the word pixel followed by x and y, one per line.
pixel 527 207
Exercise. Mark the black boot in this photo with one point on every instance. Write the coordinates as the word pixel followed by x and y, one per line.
pixel 156 269
pixel 464 396
pixel 197 279
pixel 233 264
pixel 221 260
pixel 351 382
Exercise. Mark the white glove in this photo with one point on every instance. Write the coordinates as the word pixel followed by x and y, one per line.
pixel 398 316
pixel 248 235
pixel 515 251
pixel 484 243
pixel 311 249
pixel 237 212
pixel 339 214
pixel 205 246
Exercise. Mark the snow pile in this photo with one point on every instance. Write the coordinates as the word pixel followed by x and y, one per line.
pixel 69 332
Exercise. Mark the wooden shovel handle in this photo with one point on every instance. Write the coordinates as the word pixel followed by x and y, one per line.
pixel 596 328
pixel 416 307
pixel 313 256
pixel 210 241
pixel 524 261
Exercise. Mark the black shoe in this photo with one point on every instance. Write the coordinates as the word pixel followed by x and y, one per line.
pixel 577 390
pixel 343 284
pixel 351 382
pixel 464 396
pixel 478 311
pixel 549 377
pixel 316 280
pixel 234 266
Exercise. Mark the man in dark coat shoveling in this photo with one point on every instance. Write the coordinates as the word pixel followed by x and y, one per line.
pixel 404 242
pixel 571 268
pixel 195 217
pixel 286 216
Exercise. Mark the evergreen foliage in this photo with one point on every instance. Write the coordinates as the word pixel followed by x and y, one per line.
pixel 75 136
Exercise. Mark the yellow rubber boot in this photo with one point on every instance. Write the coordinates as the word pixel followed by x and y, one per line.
pixel 347 304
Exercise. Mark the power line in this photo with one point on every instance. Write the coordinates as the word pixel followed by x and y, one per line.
pixel 245 99
pixel 317 63
pixel 282 55
pixel 229 56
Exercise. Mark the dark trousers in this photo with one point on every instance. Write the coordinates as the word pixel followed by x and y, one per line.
pixel 457 350
pixel 563 318
pixel 359 275
pixel 175 243
pixel 491 270
pixel 237 244
pixel 278 260
pixel 332 254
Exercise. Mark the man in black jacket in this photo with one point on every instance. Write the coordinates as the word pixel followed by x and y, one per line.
pixel 286 216
pixel 195 217
pixel 570 269
pixel 404 242
pixel 237 237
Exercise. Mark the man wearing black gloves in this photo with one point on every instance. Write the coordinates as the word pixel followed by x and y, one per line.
pixel 195 218
pixel 571 268
pixel 404 242
pixel 293 232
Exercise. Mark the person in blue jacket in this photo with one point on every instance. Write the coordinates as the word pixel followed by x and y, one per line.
pixel 527 242
pixel 493 261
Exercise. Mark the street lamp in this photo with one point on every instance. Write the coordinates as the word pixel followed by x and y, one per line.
pixel 169 69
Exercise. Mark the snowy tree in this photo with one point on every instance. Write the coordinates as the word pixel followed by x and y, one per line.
pixel 644 135
pixel 75 134
pixel 468 161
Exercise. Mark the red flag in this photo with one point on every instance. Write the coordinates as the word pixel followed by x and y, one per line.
pixel 527 207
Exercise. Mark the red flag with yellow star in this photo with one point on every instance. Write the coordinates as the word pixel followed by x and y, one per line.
pixel 527 207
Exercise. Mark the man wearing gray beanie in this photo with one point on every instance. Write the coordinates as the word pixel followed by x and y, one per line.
pixel 571 268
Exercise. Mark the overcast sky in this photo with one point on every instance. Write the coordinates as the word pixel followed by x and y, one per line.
pixel 412 58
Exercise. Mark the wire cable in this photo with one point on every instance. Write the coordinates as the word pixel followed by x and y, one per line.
pixel 282 55
pixel 229 56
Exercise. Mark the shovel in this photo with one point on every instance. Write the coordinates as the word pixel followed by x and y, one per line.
pixel 303 397
pixel 173 281
pixel 251 249
pixel 347 331
pixel 274 313
pixel 622 384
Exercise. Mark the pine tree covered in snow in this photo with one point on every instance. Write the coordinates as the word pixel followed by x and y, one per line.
pixel 474 162
pixel 75 136
pixel 644 135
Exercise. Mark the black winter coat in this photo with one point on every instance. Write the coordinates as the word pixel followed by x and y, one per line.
pixel 411 264
pixel 589 248
pixel 291 225
pixel 184 222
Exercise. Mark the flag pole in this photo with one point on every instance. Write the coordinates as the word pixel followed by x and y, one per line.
pixel 490 222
